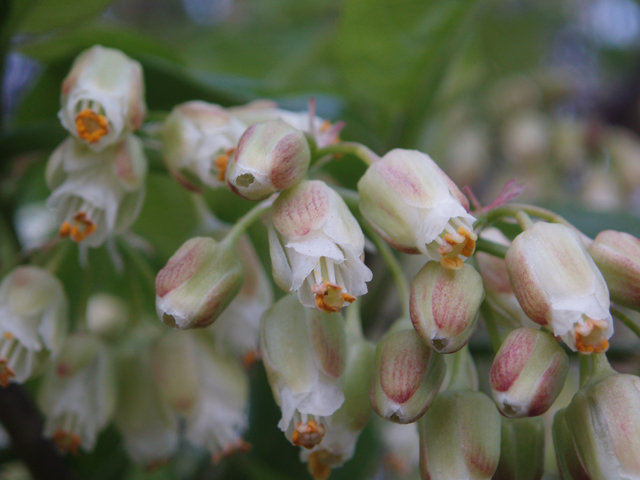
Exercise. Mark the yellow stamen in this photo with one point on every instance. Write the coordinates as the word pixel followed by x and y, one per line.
pixel 66 441
pixel 463 242
pixel 91 126
pixel 330 296
pixel 250 358
pixel 81 228
pixel 318 469
pixel 222 161
pixel 452 263
pixel 6 373
pixel 589 337
pixel 308 435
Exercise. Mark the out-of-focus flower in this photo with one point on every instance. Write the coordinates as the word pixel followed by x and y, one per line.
pixel 317 247
pixel 528 373
pixel 415 207
pixel 525 138
pixel 107 315
pixel 617 255
pixel 521 449
pixel 96 194
pixel 33 322
pixel 198 139
pixel 271 156
pixel 197 284
pixel 407 377
pixel 559 286
pixel 401 444
pixel 604 421
pixel 444 305
pixel 78 394
pixel 304 354
pixel 102 97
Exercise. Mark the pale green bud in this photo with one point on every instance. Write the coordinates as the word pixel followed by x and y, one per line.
pixel 569 464
pixel 444 305
pixel 521 449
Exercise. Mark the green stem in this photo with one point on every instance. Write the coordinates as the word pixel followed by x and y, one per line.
pixel 628 321
pixel 600 366
pixel 142 265
pixel 363 152
pixel 462 373
pixel 492 327
pixel 492 248
pixel 353 322
pixel 524 220
pixel 57 257
pixel 245 222
pixel 512 209
pixel 585 369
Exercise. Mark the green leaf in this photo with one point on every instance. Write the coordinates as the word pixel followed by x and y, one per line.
pixel 40 16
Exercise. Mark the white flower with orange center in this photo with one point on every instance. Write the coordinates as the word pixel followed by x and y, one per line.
pixel 559 286
pixel 317 247
pixel 102 97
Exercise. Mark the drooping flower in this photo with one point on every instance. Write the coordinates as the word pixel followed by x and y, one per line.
pixel 317 247
pixel 102 97
pixel 33 322
pixel 96 194
pixel 416 208
pixel 559 286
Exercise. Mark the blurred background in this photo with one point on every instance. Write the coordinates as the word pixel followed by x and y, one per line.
pixel 546 92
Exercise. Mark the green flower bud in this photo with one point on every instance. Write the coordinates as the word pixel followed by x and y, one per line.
pixel 521 449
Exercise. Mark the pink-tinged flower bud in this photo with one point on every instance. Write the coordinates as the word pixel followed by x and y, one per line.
pixel 317 247
pixel 444 305
pixel 570 466
pixel 102 97
pixel 197 284
pixel 521 449
pixel 559 286
pixel 528 373
pixel 198 139
pixel 304 354
pixel 416 208
pixel 617 255
pixel 499 294
pixel 96 194
pixel 407 377
pixel 460 437
pixel 604 421
pixel 33 322
pixel 271 156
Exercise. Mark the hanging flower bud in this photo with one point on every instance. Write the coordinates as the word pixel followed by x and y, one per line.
pixel 197 284
pixel 107 315
pixel 521 449
pixel 528 373
pixel 102 97
pixel 495 278
pixel 78 394
pixel 559 286
pixel 149 429
pixel 407 377
pixel 604 420
pixel 33 322
pixel 460 437
pixel 444 305
pixel 569 464
pixel 271 156
pixel 220 416
pixel 198 139
pixel 617 255
pixel 304 354
pixel 416 208
pixel 96 195
pixel 317 247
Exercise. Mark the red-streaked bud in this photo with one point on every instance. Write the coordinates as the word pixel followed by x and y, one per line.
pixel 617 255
pixel 570 466
pixel 521 449
pixel 460 437
pixel 271 156
pixel 444 305
pixel 528 373
pixel 407 377
pixel 559 286
pixel 197 284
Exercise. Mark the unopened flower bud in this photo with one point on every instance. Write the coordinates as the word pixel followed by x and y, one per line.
pixel 102 97
pixel 569 464
pixel 107 315
pixel 407 377
pixel 197 284
pixel 444 305
pixel 604 420
pixel 460 437
pixel 617 255
pixel 304 354
pixel 559 286
pixel 317 247
pixel 33 322
pixel 271 156
pixel 198 139
pixel 416 208
pixel 528 373
pixel 521 449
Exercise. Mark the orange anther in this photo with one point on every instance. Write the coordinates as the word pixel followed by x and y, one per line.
pixel 65 230
pixel 66 441
pixel 330 297
pixel 80 229
pixel 318 469
pixel 91 126
pixel 250 358
pixel 308 435
pixel 6 373
pixel 451 263
pixel 8 335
